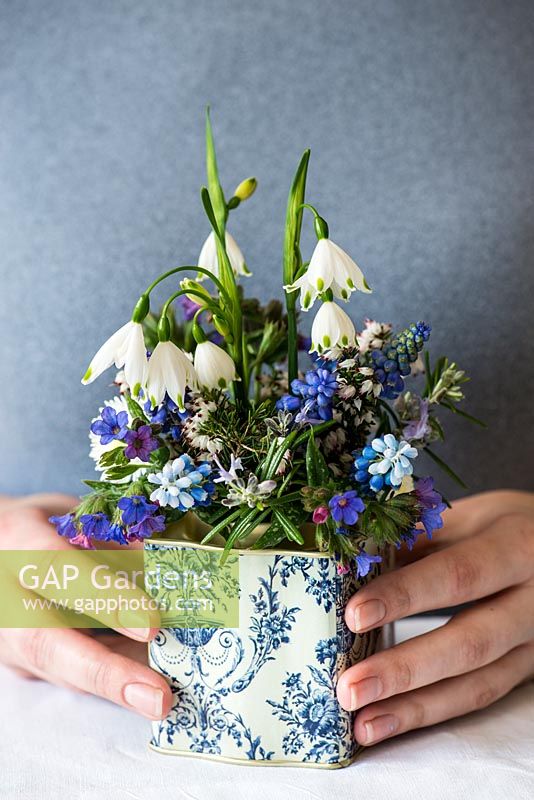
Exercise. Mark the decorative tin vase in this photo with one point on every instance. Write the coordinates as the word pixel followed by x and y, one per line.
pixel 264 692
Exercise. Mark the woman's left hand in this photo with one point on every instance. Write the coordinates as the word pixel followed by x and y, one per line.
pixel 484 553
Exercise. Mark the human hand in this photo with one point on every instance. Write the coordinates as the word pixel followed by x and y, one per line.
pixel 110 666
pixel 484 553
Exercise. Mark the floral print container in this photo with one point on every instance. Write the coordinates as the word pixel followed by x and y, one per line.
pixel 264 693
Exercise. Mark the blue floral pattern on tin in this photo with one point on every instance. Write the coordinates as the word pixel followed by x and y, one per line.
pixel 310 710
pixel 224 680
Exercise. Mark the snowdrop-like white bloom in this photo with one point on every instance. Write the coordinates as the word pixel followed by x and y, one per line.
pixel 208 256
pixel 169 370
pixel 126 348
pixel 213 366
pixel 330 268
pixel 332 328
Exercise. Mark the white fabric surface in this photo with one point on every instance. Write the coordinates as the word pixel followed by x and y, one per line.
pixel 55 745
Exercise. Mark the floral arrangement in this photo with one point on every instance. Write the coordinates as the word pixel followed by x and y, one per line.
pixel 213 416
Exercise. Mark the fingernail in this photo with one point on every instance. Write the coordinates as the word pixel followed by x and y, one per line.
pixel 135 625
pixel 368 614
pixel 364 692
pixel 143 634
pixel 380 728
pixel 145 699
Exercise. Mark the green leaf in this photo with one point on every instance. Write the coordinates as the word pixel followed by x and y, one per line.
pixel 136 412
pixel 287 498
pixel 243 529
pixel 428 375
pixel 294 219
pixel 113 457
pixel 291 530
pixel 276 532
pixel 211 514
pixel 391 412
pixel 464 414
pixel 159 457
pixel 220 526
pixel 317 430
pixel 435 424
pixel 316 469
pixel 118 473
pixel 445 467
pixel 103 486
pixel 386 521
pixel 216 193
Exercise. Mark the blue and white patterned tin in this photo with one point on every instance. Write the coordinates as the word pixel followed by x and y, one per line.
pixel 264 693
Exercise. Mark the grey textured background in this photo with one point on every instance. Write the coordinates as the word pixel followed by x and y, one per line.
pixel 420 116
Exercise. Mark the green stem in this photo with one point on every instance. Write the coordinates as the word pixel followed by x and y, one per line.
pixel 212 306
pixel 292 259
pixel 292 337
pixel 175 270
pixel 238 346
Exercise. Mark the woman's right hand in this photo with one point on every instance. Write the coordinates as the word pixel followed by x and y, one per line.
pixel 112 666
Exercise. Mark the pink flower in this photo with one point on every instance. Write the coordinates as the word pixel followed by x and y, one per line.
pixel 320 515
pixel 343 569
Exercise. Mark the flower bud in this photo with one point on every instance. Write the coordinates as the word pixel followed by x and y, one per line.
pixel 188 284
pixel 321 227
pixel 142 307
pixel 320 515
pixel 220 326
pixel 246 189
pixel 164 328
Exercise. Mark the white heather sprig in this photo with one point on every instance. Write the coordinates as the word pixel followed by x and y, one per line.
pixel 373 335
pixel 200 412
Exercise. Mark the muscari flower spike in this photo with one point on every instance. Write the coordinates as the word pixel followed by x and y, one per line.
pixel 182 484
pixel 393 363
pixel 313 396
pixel 385 462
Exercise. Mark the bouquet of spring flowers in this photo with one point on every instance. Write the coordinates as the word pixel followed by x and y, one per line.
pixel 213 416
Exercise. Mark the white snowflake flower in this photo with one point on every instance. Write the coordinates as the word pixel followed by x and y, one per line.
pixel 329 268
pixel 208 257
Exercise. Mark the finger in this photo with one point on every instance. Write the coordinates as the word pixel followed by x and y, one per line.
pixel 138 651
pixel 141 625
pixel 467 517
pixel 465 571
pixel 91 667
pixel 446 699
pixel 49 503
pixel 470 640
